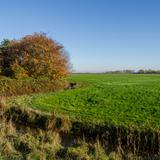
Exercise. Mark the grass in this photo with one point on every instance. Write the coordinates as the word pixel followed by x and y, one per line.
pixel 19 142
pixel 130 100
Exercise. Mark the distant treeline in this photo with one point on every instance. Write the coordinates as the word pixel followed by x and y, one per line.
pixel 141 71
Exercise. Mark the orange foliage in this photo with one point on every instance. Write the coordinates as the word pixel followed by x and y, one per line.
pixel 35 55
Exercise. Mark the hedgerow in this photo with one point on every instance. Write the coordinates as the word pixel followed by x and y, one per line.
pixel 13 87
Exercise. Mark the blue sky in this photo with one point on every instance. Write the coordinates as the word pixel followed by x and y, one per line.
pixel 99 35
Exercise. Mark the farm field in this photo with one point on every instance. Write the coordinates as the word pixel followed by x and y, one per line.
pixel 118 99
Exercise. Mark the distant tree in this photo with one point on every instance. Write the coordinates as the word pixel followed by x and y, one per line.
pixel 34 55
pixel 128 71
pixel 141 71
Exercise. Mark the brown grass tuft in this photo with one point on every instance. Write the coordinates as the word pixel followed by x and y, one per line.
pixel 59 123
pixel 2 104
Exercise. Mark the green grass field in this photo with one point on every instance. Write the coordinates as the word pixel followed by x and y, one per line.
pixel 130 100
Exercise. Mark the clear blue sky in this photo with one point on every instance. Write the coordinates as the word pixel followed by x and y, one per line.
pixel 98 34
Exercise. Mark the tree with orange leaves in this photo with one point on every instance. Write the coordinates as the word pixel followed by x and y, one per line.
pixel 34 55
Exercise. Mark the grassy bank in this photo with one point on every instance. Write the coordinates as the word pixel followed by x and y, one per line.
pixel 31 134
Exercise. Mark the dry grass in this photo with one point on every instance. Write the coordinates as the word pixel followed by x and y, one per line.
pixel 20 141
pixel 2 103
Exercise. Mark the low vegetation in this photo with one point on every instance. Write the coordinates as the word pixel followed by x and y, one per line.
pixel 31 134
pixel 122 111
pixel 14 87
pixel 130 100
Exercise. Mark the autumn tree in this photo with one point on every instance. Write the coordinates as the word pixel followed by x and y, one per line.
pixel 34 55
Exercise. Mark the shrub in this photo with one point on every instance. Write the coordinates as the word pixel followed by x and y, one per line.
pixel 13 87
pixel 33 55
